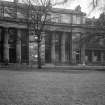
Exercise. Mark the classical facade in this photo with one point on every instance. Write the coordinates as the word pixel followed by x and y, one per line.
pixel 62 41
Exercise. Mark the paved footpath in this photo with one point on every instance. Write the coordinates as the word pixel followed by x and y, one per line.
pixel 78 67
pixel 53 67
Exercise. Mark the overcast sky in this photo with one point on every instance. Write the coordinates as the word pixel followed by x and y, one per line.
pixel 85 5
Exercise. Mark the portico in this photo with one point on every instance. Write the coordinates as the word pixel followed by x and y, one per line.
pixel 11 45
pixel 60 47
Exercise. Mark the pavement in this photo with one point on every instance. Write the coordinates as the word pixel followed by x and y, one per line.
pixel 52 67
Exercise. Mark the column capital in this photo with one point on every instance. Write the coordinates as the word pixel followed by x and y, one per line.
pixel 102 56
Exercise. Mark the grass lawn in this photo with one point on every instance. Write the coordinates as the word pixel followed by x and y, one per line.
pixel 52 88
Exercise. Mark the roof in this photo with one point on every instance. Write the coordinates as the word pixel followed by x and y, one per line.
pixel 24 7
pixel 67 11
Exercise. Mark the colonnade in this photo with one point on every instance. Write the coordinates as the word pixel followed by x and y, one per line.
pixel 91 56
pixel 100 57
pixel 63 53
pixel 7 45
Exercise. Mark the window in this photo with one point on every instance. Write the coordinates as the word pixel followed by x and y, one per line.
pixel 84 20
pixel 12 36
pixel 65 18
pixel 74 19
pixel 70 16
pixel 10 12
pixel 55 18
pixel 1 10
pixel 78 20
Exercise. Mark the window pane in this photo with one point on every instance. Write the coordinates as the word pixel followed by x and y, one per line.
pixel 74 19
pixel 55 18
pixel 84 20
pixel 65 18
pixel 78 20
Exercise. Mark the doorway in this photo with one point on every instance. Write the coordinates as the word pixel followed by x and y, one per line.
pixel 12 55
pixel 1 44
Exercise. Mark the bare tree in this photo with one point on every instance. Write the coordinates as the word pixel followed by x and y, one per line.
pixel 96 5
pixel 38 13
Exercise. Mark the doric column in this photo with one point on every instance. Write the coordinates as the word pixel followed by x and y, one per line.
pixel 74 57
pixel 72 51
pixel 53 48
pixel 71 48
pixel 6 45
pixel 63 47
pixel 43 48
pixel 18 46
pixel 92 52
pixel 93 56
pixel 102 57
pixel 83 54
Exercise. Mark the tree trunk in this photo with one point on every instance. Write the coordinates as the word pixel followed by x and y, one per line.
pixel 39 55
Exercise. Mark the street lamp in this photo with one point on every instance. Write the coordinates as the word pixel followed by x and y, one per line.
pixel 35 37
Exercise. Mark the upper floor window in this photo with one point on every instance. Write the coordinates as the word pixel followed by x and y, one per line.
pixel 55 17
pixel 84 20
pixel 65 18
pixel 74 19
pixel 78 19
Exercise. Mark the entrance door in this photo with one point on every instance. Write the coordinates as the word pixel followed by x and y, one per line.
pixel 12 55
pixel 78 56
pixel 1 44
pixel 12 45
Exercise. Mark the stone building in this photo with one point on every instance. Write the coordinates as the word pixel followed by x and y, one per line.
pixel 62 41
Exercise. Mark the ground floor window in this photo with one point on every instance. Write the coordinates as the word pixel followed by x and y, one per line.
pixel 1 44
pixel 12 55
